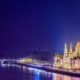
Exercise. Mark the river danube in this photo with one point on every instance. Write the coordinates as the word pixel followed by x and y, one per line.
pixel 15 72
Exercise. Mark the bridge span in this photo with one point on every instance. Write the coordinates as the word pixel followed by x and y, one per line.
pixel 8 60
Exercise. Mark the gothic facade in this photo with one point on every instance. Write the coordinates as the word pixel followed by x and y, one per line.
pixel 70 59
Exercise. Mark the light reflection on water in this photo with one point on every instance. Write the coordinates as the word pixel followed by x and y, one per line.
pixel 64 77
pixel 15 72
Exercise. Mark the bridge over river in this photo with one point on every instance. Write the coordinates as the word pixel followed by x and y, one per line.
pixel 8 60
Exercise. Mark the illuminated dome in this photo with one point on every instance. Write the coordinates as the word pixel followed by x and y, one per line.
pixel 78 44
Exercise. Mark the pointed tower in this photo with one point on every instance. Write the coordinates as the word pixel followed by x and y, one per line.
pixel 70 51
pixel 55 60
pixel 65 50
pixel 66 59
pixel 70 47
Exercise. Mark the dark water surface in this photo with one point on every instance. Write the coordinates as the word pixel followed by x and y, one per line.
pixel 14 72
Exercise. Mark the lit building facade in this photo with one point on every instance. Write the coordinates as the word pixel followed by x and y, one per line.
pixel 70 58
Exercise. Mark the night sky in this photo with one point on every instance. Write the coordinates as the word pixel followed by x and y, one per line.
pixel 46 24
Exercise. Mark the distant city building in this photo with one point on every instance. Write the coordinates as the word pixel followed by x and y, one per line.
pixel 43 56
pixel 70 59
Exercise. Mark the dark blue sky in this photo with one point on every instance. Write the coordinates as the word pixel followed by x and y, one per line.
pixel 46 24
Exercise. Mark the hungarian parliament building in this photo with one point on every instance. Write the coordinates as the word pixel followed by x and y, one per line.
pixel 70 59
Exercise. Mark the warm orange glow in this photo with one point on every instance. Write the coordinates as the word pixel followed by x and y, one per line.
pixel 70 59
